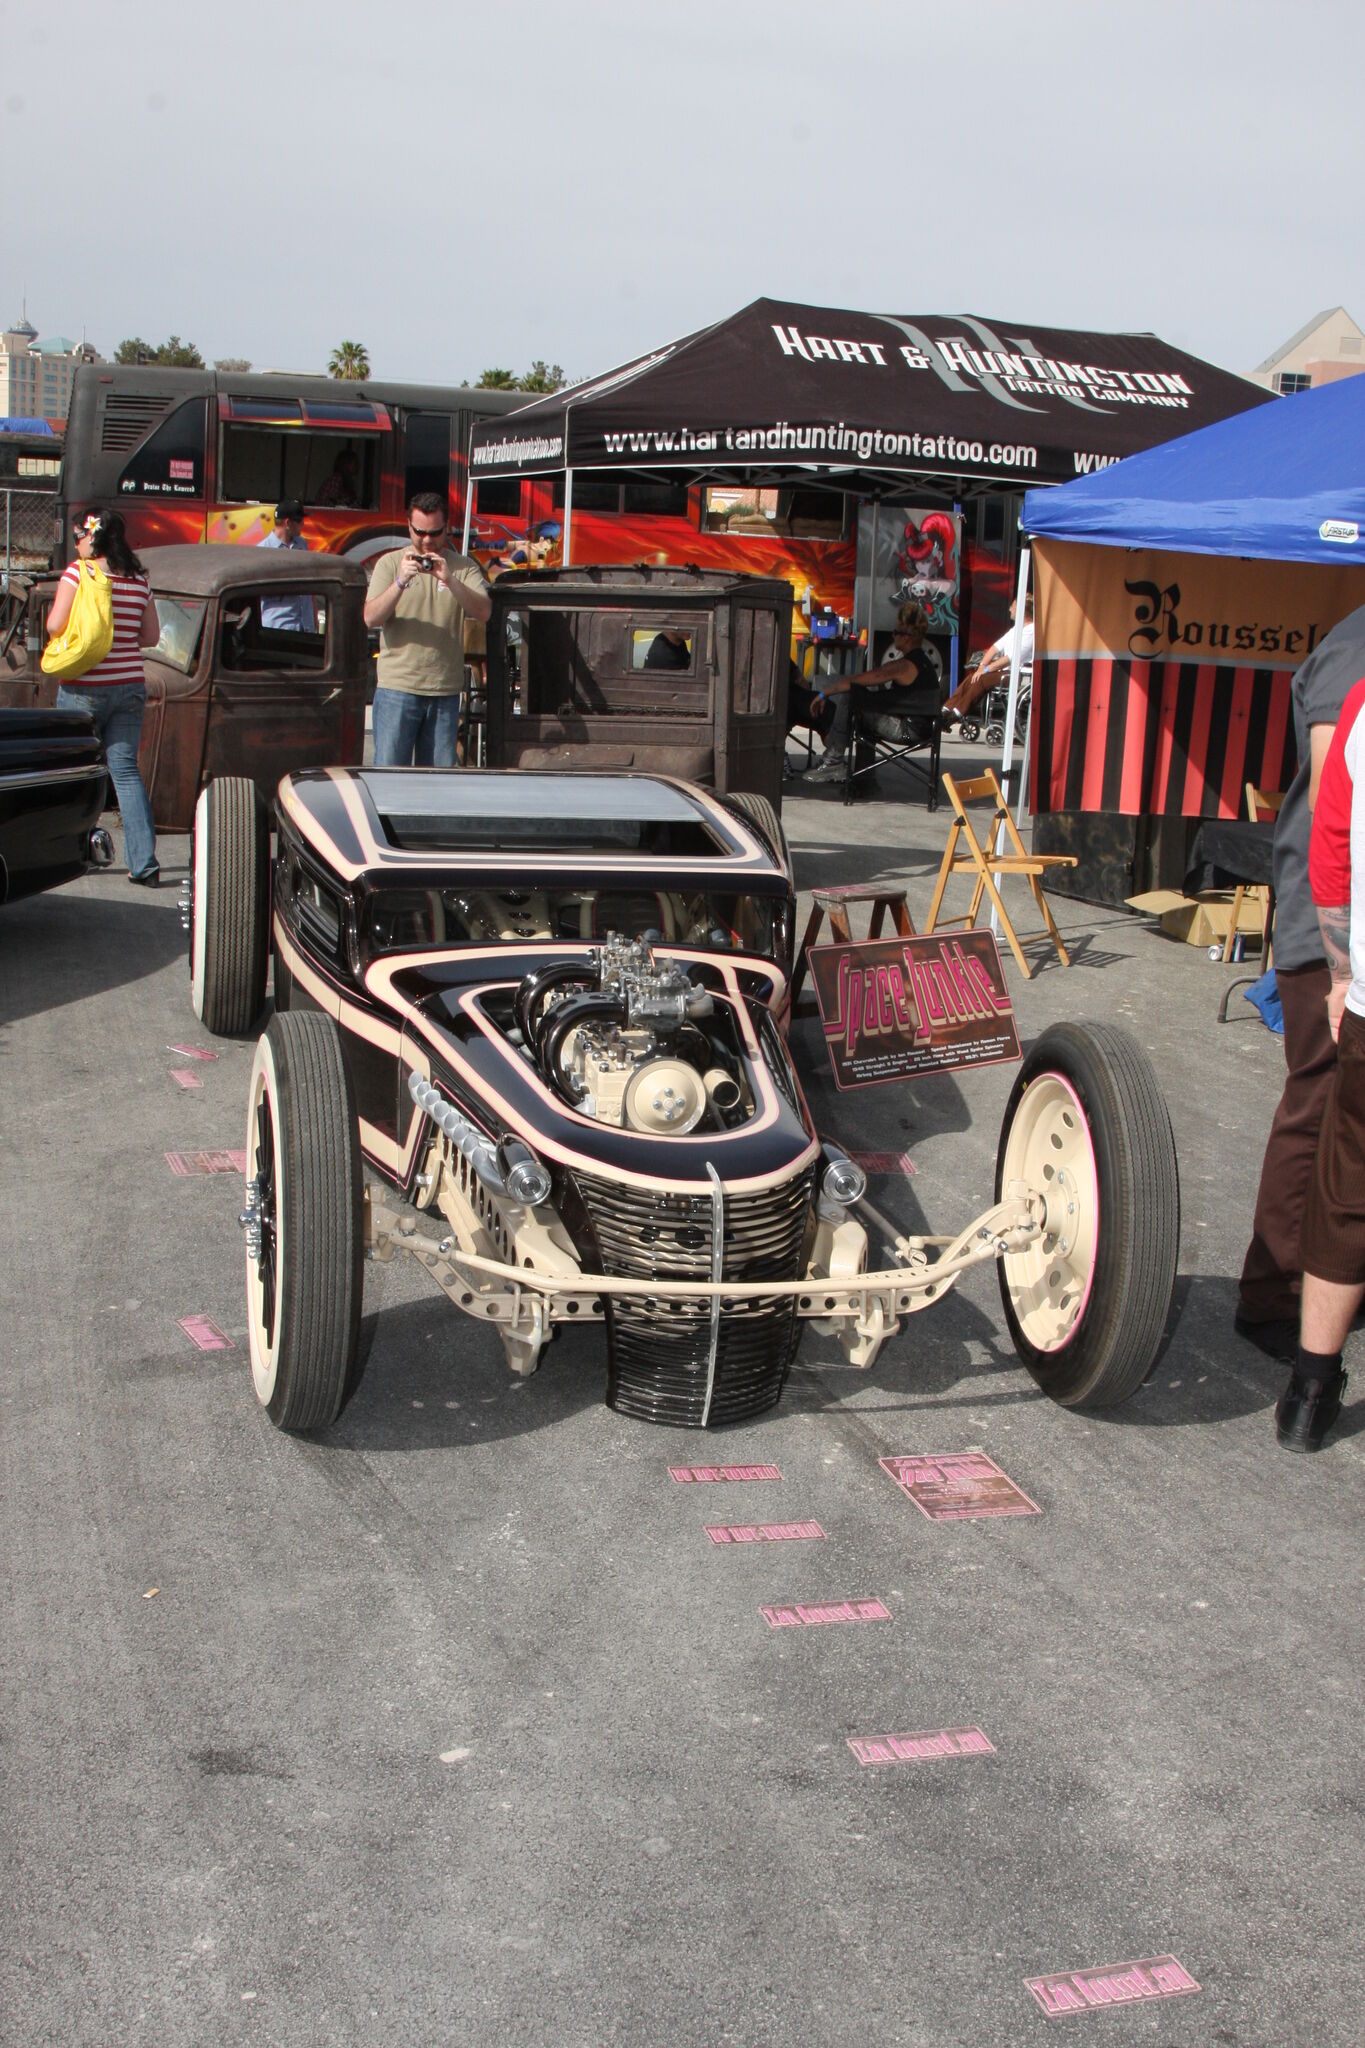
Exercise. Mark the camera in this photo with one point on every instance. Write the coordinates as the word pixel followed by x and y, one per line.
pixel 426 562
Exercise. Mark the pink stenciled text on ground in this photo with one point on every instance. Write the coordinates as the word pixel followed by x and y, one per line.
pixel 204 1332
pixel 884 1162
pixel 797 1616
pixel 926 1747
pixel 768 1532
pixel 192 1052
pixel 710 1475
pixel 958 1486
pixel 188 1164
pixel 1068 1991
pixel 185 1077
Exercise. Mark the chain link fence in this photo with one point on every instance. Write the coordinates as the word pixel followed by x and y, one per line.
pixel 27 530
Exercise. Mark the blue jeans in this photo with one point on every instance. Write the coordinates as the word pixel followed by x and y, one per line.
pixel 117 710
pixel 415 732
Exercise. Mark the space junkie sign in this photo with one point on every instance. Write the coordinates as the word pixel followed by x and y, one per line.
pixel 922 1005
pixel 1162 680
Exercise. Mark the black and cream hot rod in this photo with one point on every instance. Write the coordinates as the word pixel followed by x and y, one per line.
pixel 548 1013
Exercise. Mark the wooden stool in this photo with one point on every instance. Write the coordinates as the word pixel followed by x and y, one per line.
pixel 833 903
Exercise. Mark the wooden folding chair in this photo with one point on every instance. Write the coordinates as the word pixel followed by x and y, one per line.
pixel 1261 804
pixel 986 864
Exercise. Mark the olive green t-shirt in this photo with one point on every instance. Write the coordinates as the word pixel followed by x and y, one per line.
pixel 421 649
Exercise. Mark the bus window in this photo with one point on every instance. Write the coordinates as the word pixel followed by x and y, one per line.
pixel 616 490
pixel 803 513
pixel 667 501
pixel 426 454
pixel 590 493
pixel 170 462
pixel 499 500
pixel 261 465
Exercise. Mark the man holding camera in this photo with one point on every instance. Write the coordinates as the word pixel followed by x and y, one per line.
pixel 419 598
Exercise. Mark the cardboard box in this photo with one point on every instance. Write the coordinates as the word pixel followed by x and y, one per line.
pixel 1200 920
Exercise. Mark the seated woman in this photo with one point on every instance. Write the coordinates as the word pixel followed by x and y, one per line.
pixel 907 684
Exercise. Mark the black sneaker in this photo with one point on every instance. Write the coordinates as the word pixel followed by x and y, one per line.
pixel 833 768
pixel 1307 1409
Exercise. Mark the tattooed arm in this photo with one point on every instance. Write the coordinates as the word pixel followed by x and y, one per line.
pixel 1335 926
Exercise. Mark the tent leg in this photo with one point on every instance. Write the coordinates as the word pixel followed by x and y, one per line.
pixel 568 518
pixel 1007 754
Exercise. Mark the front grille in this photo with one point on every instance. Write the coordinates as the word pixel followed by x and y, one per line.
pixel 658 1351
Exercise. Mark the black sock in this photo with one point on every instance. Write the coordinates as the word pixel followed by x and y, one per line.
pixel 1321 1366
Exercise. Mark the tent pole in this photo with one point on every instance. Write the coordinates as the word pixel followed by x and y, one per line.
pixel 1007 754
pixel 468 501
pixel 871 604
pixel 568 518
pixel 954 649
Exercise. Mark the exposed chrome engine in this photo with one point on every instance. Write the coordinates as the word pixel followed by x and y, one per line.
pixel 634 1041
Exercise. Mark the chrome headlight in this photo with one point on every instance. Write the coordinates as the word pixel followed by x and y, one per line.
pixel 526 1180
pixel 843 1180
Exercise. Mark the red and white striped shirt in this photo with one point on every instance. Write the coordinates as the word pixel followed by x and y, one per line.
pixel 123 662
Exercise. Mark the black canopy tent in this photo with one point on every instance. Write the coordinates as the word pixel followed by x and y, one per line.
pixel 871 403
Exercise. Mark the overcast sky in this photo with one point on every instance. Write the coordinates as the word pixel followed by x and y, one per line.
pixel 459 186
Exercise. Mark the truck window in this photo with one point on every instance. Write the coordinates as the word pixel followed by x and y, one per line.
pixel 181 620
pixel 751 690
pixel 282 630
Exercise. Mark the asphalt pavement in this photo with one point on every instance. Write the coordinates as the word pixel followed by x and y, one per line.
pixel 456 1726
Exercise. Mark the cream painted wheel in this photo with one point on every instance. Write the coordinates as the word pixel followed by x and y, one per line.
pixel 302 1220
pixel 1048 1146
pixel 1087 1130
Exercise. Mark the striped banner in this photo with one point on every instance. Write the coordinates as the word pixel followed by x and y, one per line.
pixel 1171 738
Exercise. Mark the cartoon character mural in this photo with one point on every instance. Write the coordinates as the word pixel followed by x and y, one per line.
pixel 926 567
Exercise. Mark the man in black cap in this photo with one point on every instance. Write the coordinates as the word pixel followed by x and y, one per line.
pixel 288 614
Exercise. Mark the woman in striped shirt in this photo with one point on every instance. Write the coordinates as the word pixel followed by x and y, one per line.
pixel 114 691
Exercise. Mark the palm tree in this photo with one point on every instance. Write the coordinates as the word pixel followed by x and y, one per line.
pixel 350 362
pixel 497 380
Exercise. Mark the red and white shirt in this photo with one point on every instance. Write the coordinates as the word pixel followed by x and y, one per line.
pixel 123 662
pixel 1336 851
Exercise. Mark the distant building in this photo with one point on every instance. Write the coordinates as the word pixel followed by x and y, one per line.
pixel 36 376
pixel 1330 346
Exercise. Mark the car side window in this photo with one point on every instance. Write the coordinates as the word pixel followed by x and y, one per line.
pixel 283 629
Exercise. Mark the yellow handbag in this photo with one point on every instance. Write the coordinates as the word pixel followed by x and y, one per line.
pixel 89 631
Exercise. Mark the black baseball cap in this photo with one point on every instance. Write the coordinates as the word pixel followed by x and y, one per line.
pixel 289 508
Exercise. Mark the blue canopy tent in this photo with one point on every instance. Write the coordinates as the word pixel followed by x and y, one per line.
pixel 1285 483
pixel 1162 676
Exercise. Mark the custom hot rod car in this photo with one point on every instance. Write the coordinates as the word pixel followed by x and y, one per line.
pixel 547 1012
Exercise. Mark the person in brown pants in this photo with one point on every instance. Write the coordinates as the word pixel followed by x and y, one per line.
pixel 1334 1215
pixel 1272 1273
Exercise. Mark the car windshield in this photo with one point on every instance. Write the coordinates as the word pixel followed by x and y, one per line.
pixel 403 920
pixel 181 620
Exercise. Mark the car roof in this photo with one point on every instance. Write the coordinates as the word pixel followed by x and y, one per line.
pixel 210 566
pixel 384 822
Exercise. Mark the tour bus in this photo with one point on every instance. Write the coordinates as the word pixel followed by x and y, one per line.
pixel 806 535
pixel 206 455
